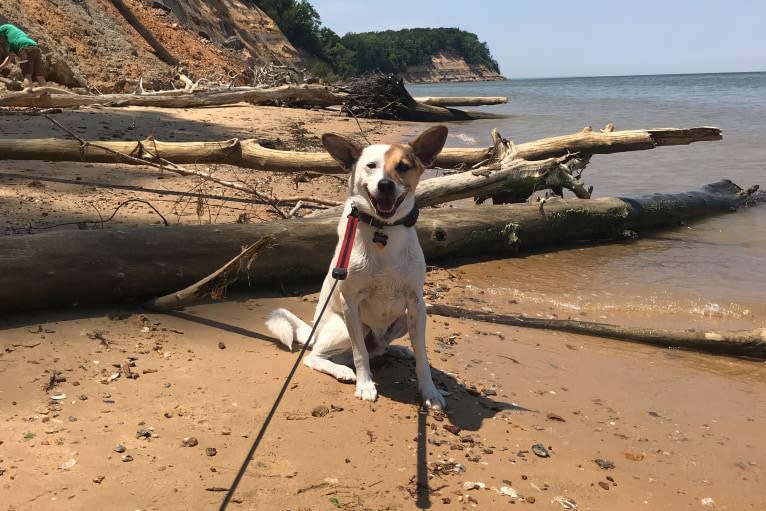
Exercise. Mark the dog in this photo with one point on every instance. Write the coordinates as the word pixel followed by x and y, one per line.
pixel 382 297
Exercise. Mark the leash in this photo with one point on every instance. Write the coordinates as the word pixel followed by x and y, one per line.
pixel 340 272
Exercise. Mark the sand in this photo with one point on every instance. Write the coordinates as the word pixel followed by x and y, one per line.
pixel 672 429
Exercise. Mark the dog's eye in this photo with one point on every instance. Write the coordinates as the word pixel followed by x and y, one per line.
pixel 402 167
pixel 371 165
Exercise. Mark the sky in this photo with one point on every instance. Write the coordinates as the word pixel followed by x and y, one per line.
pixel 556 38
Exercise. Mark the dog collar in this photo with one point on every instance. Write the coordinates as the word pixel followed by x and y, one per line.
pixel 408 221
pixel 379 237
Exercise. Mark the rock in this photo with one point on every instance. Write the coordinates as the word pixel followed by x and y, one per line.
pixel 470 485
pixel 565 502
pixel 221 346
pixel 540 450
pixel 508 491
pixel 127 458
pixel 143 433
pixel 555 417
pixel 452 428
pixel 119 448
pixel 189 441
pixel 604 485
pixel 211 451
pixel 708 502
pixel 234 43
pixel 320 411
pixel 605 464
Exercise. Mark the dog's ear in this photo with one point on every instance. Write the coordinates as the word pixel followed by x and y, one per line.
pixel 343 150
pixel 429 144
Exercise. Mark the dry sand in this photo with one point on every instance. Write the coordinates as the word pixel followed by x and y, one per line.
pixel 678 430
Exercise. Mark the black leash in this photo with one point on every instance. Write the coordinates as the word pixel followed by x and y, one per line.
pixel 340 272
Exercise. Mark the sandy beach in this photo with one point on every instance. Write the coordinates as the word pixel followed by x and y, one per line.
pixel 535 418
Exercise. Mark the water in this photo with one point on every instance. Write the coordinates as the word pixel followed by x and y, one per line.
pixel 711 267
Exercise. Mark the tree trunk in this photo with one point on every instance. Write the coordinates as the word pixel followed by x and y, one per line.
pixel 250 154
pixel 447 101
pixel 162 53
pixel 314 95
pixel 68 268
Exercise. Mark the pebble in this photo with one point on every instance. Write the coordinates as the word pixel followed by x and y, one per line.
pixel 119 448
pixel 604 485
pixel 221 346
pixel 58 397
pixel 143 433
pixel 605 464
pixel 211 451
pixel 189 441
pixel 565 502
pixel 68 464
pixel 508 491
pixel 452 428
pixel 127 458
pixel 541 451
pixel 530 499
pixel 320 411
pixel 708 502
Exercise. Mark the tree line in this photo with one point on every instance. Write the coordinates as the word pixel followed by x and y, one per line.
pixel 356 54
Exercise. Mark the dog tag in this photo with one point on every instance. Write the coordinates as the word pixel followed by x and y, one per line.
pixel 379 239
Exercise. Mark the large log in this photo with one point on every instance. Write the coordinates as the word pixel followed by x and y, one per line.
pixel 313 95
pixel 447 101
pixel 250 154
pixel 68 268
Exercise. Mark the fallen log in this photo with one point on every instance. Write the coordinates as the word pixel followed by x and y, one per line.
pixel 69 268
pixel 250 154
pixel 446 101
pixel 749 343
pixel 312 95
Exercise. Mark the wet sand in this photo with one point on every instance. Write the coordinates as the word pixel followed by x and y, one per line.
pixel 682 430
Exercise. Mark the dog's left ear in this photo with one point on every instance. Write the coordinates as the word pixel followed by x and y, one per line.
pixel 429 144
pixel 343 150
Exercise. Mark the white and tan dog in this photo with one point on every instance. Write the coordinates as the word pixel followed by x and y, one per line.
pixel 382 297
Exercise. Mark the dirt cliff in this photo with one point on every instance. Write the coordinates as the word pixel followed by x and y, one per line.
pixel 449 68
pixel 87 43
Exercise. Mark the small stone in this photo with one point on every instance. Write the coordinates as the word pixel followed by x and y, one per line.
pixel 211 451
pixel 320 411
pixel 189 441
pixel 221 346
pixel 58 397
pixel 604 485
pixel 99 479
pixel 127 458
pixel 540 450
pixel 555 417
pixel 83 397
pixel 530 499
pixel 708 502
pixel 119 448
pixel 605 464
pixel 68 464
pixel 489 392
pixel 143 433
pixel 452 428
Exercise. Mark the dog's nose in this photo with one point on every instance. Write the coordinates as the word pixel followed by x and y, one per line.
pixel 386 185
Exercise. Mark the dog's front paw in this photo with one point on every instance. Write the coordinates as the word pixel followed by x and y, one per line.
pixel 433 398
pixel 366 391
pixel 344 374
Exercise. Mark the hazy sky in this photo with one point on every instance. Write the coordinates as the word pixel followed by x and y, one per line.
pixel 581 38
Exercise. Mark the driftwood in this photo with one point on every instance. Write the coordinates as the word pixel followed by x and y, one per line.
pixel 67 268
pixel 750 343
pixel 446 101
pixel 162 53
pixel 385 97
pixel 312 95
pixel 214 284
pixel 250 154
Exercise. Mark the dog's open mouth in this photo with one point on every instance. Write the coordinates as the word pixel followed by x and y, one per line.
pixel 385 204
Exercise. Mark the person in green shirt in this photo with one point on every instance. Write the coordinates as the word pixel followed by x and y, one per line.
pixel 24 50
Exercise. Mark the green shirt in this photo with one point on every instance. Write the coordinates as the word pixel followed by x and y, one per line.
pixel 17 39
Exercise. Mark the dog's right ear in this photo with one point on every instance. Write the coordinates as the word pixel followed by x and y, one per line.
pixel 343 150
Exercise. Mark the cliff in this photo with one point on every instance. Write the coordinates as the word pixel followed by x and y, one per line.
pixel 89 44
pixel 449 68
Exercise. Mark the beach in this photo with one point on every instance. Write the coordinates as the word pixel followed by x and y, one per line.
pixel 535 418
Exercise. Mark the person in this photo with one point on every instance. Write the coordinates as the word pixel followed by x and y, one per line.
pixel 25 51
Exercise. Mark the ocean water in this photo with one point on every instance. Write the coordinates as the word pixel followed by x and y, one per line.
pixel 711 267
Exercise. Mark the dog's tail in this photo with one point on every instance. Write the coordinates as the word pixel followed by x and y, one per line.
pixel 288 327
